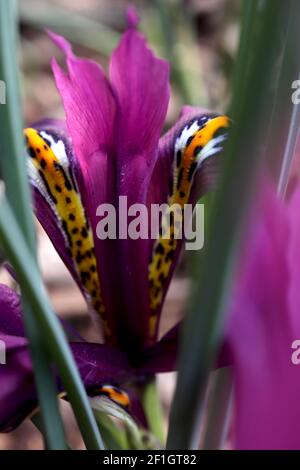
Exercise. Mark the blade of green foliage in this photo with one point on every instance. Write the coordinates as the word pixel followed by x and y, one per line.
pixel 219 410
pixel 49 326
pixel 46 338
pixel 77 28
pixel 13 171
pixel 153 410
pixel 204 324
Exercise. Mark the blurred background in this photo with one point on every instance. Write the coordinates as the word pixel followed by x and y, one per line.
pixel 199 38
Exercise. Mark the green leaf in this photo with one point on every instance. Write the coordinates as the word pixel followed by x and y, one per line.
pixel 113 435
pixel 253 97
pixel 137 437
pixel 81 30
pixel 153 410
pixel 219 410
pixel 13 171
pixel 49 328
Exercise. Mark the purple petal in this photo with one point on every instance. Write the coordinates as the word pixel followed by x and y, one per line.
pixel 90 111
pixel 17 392
pixel 162 179
pixel 43 211
pixel 264 323
pixel 163 170
pixel 142 109
pixel 49 223
pixel 10 312
pixel 294 267
pixel 162 356
pixel 97 364
pixel 100 364
pixel 56 124
pixel 132 17
pixel 54 176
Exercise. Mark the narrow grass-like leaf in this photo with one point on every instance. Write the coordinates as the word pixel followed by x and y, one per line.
pixel 12 155
pixel 219 410
pixel 168 16
pixel 283 114
pixel 243 156
pixel 43 324
pixel 153 410
pixel 114 436
pixel 81 30
pixel 49 325
pixel 290 151
pixel 13 171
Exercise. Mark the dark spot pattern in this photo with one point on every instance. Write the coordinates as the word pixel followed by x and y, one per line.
pixel 178 158
pixel 192 171
pixel 31 152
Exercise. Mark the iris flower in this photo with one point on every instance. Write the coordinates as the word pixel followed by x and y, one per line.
pixel 110 146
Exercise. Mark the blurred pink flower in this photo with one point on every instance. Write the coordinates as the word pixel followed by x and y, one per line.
pixel 264 321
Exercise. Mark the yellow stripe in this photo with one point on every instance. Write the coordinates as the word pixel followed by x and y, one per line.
pixel 115 394
pixel 164 248
pixel 56 181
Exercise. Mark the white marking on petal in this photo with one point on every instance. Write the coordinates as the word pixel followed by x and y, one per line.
pixel 211 148
pixel 58 149
pixel 37 182
pixel 186 133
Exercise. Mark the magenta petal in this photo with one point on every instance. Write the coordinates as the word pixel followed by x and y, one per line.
pixel 159 187
pixel 163 355
pixel 43 211
pixel 98 364
pixel 49 123
pixel 17 392
pixel 163 170
pixel 90 110
pixel 132 17
pixel 133 71
pixel 261 330
pixel 294 267
pixel 141 83
pixel 10 312
pixel 49 223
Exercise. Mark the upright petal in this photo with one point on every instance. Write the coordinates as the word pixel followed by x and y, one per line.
pixel 187 167
pixel 140 81
pixel 48 218
pixel 90 108
pixel 162 176
pixel 53 170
